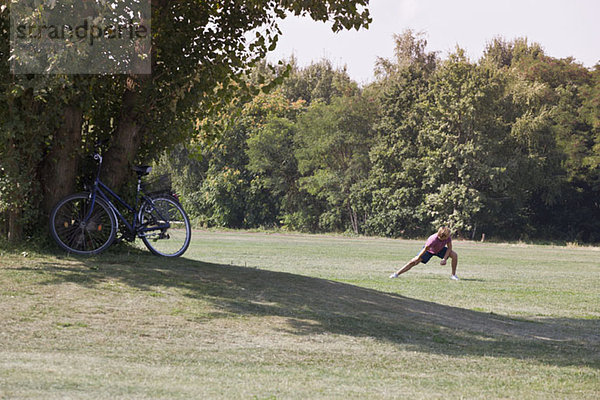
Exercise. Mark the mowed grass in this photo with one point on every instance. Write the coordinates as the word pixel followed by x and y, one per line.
pixel 277 316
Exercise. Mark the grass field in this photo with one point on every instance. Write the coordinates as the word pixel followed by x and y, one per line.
pixel 276 316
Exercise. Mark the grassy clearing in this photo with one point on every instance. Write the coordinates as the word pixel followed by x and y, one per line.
pixel 265 316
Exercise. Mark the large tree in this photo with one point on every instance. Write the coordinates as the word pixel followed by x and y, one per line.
pixel 200 51
pixel 394 184
pixel 333 143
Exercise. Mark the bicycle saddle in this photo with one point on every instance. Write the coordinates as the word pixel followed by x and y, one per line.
pixel 142 169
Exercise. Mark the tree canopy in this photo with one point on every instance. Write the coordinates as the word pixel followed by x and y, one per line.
pixel 505 146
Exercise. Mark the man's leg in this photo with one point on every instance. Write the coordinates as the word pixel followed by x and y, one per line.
pixel 407 267
pixel 454 258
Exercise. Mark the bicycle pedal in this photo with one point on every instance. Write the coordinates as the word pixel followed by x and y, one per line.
pixel 124 237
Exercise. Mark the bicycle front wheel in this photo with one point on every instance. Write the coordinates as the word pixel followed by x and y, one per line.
pixel 75 234
pixel 164 226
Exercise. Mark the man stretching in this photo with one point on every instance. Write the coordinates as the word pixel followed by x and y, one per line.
pixel 439 244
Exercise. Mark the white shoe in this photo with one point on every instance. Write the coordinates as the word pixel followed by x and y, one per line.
pixel 394 275
pixel 454 278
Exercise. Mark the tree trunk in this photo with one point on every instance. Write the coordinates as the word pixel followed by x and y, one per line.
pixel 15 209
pixel 353 219
pixel 58 171
pixel 124 143
pixel 4 225
pixel 15 225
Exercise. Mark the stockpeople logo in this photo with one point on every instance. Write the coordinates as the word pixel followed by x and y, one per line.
pixel 80 37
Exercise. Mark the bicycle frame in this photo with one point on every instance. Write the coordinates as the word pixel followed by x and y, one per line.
pixel 99 189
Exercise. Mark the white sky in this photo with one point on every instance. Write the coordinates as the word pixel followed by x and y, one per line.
pixel 562 27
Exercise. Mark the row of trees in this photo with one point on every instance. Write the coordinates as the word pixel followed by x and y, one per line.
pixel 507 146
pixel 200 52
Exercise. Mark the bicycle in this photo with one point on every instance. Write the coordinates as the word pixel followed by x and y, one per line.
pixel 86 223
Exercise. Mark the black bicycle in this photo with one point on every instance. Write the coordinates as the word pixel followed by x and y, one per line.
pixel 86 223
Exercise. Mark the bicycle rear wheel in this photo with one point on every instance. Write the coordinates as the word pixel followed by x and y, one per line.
pixel 73 233
pixel 165 227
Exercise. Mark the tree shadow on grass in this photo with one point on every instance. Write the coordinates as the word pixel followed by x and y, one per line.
pixel 313 306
